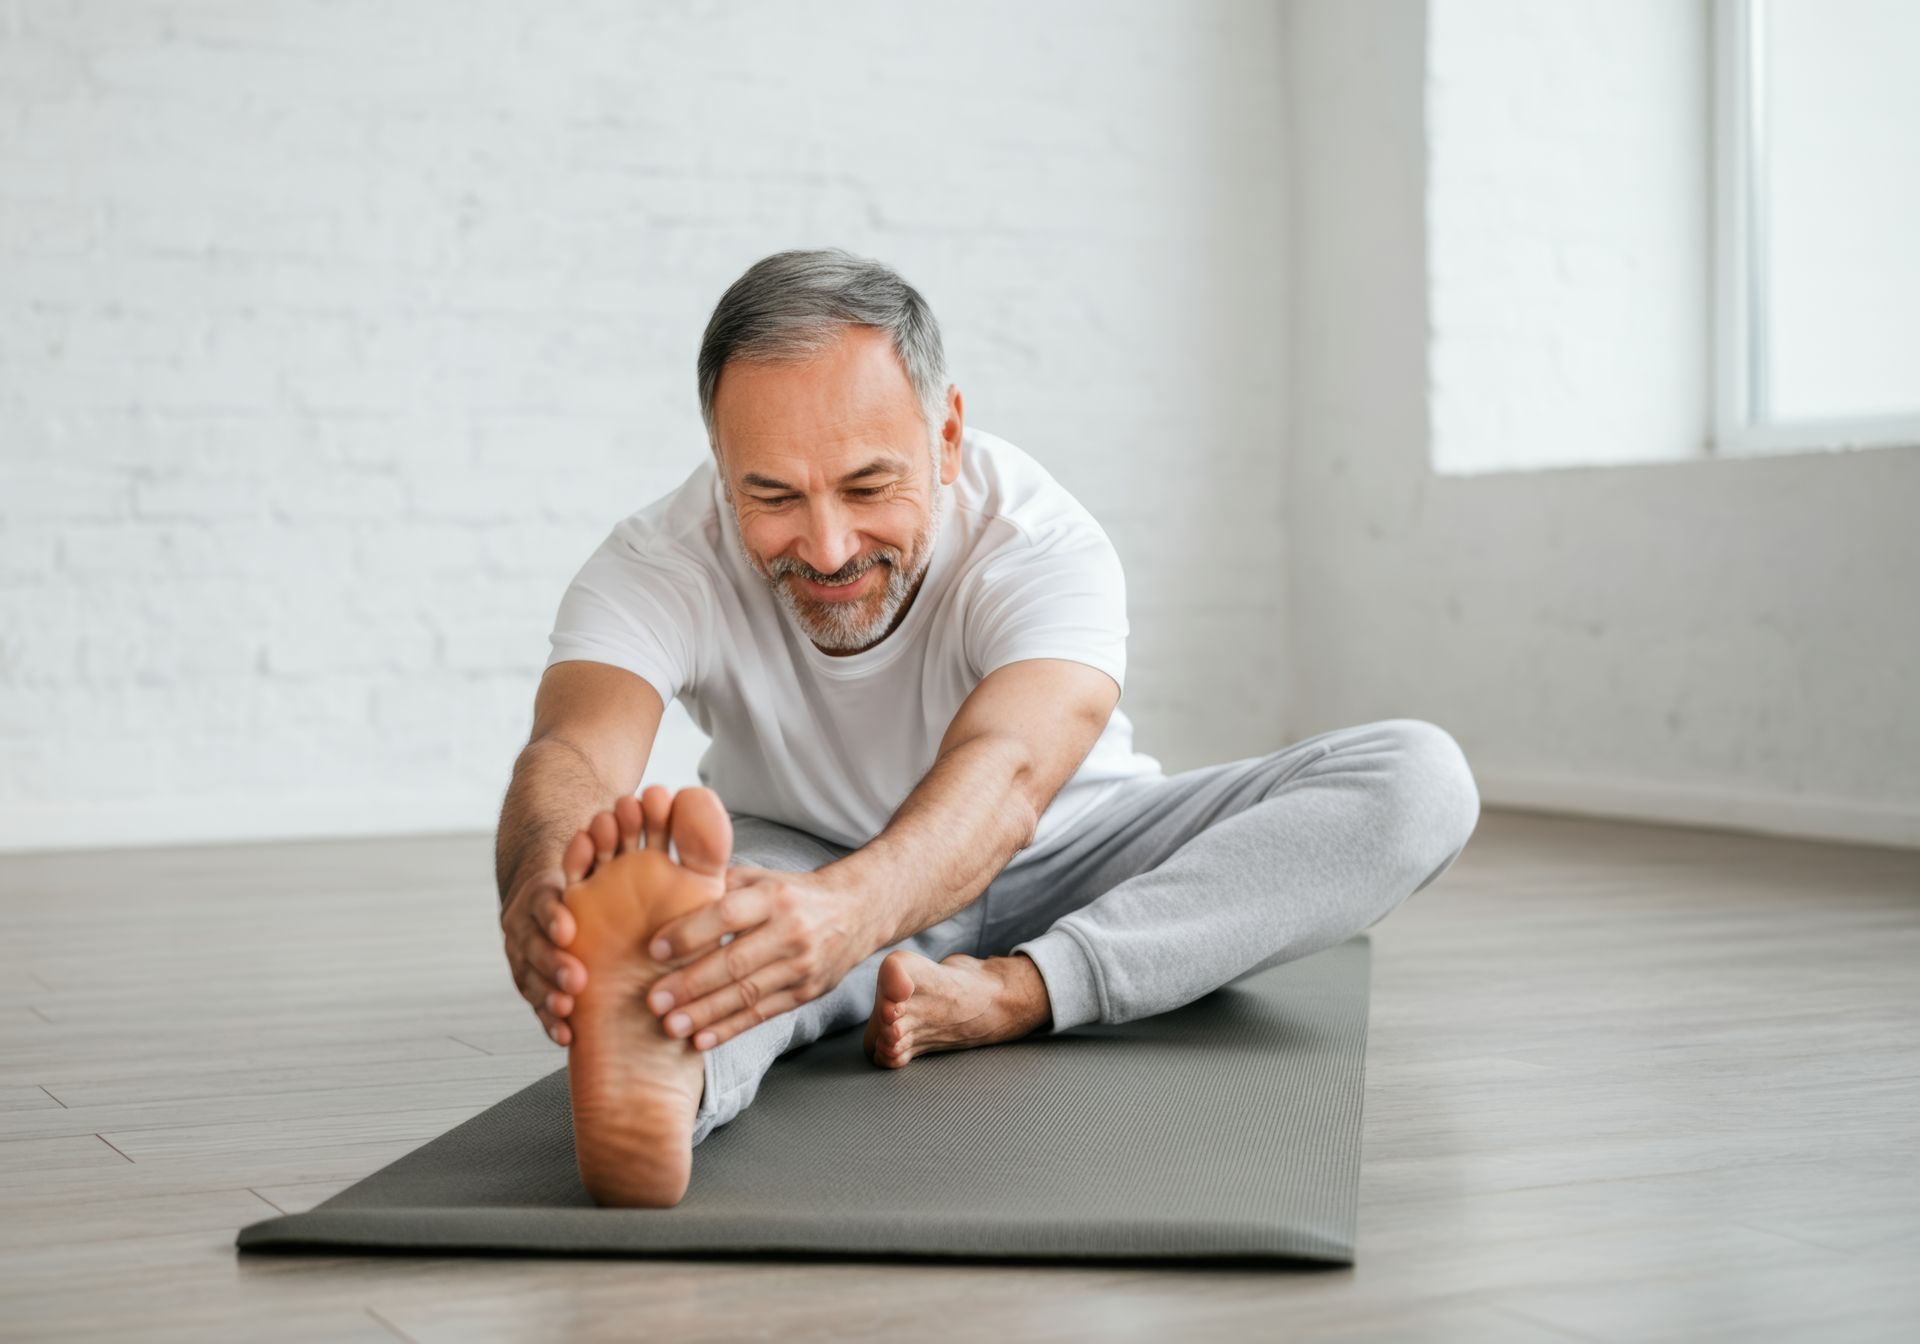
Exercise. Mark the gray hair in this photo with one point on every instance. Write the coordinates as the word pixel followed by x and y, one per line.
pixel 788 307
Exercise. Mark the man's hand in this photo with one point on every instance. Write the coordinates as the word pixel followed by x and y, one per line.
pixel 795 936
pixel 537 924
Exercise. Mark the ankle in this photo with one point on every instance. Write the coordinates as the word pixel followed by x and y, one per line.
pixel 1025 992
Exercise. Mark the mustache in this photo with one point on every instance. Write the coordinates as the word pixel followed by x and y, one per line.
pixel 845 574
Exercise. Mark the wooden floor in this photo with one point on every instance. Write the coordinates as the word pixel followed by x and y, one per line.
pixel 1624 1082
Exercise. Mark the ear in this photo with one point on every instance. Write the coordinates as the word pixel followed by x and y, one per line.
pixel 950 436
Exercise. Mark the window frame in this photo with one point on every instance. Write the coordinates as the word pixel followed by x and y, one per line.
pixel 1742 421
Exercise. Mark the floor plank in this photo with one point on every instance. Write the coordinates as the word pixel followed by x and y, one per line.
pixel 1624 1082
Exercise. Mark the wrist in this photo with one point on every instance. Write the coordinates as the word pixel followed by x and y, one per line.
pixel 862 902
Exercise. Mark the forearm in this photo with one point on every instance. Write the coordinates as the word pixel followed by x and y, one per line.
pixel 951 837
pixel 554 792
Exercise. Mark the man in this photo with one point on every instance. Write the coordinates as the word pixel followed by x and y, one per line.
pixel 907 642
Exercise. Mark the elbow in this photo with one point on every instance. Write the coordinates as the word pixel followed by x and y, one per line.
pixel 1024 803
pixel 1009 769
pixel 1026 820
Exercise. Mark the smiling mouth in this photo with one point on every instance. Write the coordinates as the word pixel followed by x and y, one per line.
pixel 841 592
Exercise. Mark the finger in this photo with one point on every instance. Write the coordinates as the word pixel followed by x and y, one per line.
pixel 656 807
pixel 536 989
pixel 566 973
pixel 606 836
pixel 526 894
pixel 724 1031
pixel 721 969
pixel 626 816
pixel 546 1000
pixel 735 912
pixel 743 875
pixel 557 1031
pixel 528 946
pixel 740 996
pixel 550 914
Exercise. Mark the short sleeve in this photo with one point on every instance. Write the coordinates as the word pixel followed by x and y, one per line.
pixel 1062 595
pixel 636 606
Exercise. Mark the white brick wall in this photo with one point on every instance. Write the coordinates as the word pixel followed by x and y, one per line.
pixel 333 337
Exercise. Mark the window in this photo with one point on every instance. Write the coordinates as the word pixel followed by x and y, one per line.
pixel 1817 224
pixel 1569 233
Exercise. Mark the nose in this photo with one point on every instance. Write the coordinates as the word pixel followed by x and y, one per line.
pixel 830 540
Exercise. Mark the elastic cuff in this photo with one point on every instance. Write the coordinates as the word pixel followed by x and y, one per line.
pixel 709 1109
pixel 1073 982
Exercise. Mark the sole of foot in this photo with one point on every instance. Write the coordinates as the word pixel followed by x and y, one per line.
pixel 635 1090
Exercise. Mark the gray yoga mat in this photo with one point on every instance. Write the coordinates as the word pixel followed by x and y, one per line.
pixel 1225 1130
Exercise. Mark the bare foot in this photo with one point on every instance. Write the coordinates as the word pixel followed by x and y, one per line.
pixel 635 1089
pixel 922 1006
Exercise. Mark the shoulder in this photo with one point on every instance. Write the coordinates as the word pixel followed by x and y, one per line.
pixel 1012 501
pixel 643 599
pixel 677 534
pixel 1045 581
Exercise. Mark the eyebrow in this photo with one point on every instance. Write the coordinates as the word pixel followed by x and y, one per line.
pixel 878 466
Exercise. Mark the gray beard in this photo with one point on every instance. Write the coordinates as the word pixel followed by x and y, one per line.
pixel 844 627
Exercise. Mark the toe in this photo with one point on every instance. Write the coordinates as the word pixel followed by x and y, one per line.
pixel 578 857
pixel 656 806
pixel 702 832
pixel 626 816
pixel 873 1042
pixel 896 980
pixel 606 836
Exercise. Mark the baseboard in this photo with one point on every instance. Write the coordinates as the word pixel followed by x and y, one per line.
pixel 1854 821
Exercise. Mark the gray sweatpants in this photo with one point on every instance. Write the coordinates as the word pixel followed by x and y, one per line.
pixel 1177 885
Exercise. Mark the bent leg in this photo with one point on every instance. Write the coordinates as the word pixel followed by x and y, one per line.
pixel 735 1067
pixel 1272 858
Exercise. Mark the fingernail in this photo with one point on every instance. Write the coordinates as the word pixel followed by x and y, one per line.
pixel 703 1041
pixel 679 1024
pixel 555 1033
pixel 660 949
pixel 661 1001
pixel 566 980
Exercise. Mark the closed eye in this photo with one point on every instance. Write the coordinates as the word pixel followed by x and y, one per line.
pixel 865 492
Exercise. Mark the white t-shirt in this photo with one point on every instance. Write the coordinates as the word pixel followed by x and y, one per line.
pixel 833 745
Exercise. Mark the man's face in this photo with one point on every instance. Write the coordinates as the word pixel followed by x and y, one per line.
pixel 832 480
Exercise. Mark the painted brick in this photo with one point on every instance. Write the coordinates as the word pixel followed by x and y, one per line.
pixel 334 337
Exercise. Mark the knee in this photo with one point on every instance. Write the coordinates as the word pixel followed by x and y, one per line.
pixel 1435 803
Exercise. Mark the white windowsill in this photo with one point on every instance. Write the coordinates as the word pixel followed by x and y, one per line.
pixel 1808 436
